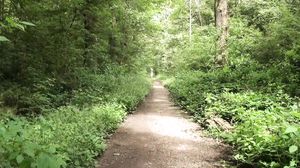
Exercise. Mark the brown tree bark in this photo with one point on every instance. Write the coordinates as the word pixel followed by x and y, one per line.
pixel 2 3
pixel 222 25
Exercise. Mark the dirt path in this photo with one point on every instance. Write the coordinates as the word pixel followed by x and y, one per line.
pixel 159 135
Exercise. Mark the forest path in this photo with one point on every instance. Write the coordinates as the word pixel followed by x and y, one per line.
pixel 159 135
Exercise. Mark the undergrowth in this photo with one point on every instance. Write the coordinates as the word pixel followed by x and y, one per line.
pixel 70 133
pixel 265 118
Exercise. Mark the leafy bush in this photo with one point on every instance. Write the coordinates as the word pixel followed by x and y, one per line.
pixel 131 89
pixel 41 97
pixel 18 148
pixel 198 55
pixel 72 135
pixel 267 126
pixel 189 88
pixel 114 85
pixel 68 137
pixel 266 120
pixel 123 88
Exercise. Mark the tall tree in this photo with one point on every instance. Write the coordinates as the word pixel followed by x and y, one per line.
pixel 221 21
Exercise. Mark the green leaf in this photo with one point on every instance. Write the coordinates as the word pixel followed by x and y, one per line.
pixel 293 163
pixel 27 23
pixel 290 129
pixel 10 20
pixel 293 149
pixel 19 26
pixel 43 161
pixel 20 159
pixel 2 38
pixel 49 161
pixel 52 149
pixel 29 151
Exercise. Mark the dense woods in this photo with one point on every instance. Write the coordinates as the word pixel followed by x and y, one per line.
pixel 241 84
pixel 70 71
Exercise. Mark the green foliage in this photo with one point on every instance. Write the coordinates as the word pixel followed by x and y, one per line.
pixel 131 90
pixel 19 150
pixel 266 123
pixel 73 68
pixel 259 13
pixel 80 132
pixel 68 137
pixel 11 23
pixel 2 38
pixel 73 135
pixel 76 66
pixel 125 88
pixel 266 126
pixel 257 91
pixel 61 37
pixel 198 55
pixel 43 96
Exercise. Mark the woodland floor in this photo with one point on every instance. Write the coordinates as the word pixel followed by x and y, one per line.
pixel 160 135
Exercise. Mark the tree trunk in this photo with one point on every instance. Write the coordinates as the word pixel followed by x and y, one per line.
pixel 112 39
pixel 89 21
pixel 190 25
pixel 2 3
pixel 221 19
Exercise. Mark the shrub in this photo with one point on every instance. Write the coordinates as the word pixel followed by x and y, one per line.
pixel 132 88
pixel 71 135
pixel 19 149
pixel 266 120
pixel 68 137
pixel 123 88
pixel 266 126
